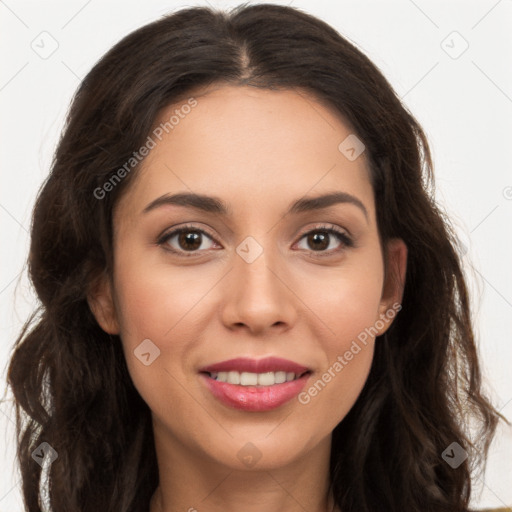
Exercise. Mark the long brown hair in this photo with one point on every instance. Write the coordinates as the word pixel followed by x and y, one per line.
pixel 69 378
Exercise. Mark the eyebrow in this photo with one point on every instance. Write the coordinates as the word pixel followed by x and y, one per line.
pixel 217 206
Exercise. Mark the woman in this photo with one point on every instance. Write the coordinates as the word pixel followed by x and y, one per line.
pixel 249 298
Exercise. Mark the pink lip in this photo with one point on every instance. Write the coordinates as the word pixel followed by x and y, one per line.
pixel 255 398
pixel 268 364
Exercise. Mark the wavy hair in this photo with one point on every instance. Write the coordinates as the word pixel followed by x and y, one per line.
pixel 69 378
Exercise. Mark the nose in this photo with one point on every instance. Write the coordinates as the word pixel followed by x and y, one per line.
pixel 259 296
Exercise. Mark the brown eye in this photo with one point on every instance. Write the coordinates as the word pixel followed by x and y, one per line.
pixel 189 240
pixel 318 241
pixel 186 240
pixel 323 240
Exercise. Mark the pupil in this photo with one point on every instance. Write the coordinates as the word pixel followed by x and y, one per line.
pixel 321 237
pixel 190 237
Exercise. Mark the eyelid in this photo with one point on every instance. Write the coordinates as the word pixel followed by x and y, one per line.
pixel 326 227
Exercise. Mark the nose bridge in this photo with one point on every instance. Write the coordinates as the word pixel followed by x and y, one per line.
pixel 253 267
pixel 255 264
pixel 258 296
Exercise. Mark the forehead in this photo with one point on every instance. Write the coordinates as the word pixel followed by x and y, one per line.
pixel 251 146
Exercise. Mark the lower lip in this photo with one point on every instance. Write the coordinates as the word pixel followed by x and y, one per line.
pixel 255 398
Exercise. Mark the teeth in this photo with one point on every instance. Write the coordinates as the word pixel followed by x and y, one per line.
pixel 253 379
pixel 233 378
pixel 280 377
pixel 248 379
pixel 266 379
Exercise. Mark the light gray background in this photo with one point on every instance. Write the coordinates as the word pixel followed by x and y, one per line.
pixel 463 99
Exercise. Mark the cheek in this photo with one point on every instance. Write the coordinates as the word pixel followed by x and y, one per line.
pixel 348 307
pixel 156 300
pixel 148 310
pixel 346 299
pixel 163 305
pixel 348 344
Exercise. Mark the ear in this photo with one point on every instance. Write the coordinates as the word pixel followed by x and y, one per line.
pixel 394 282
pixel 101 304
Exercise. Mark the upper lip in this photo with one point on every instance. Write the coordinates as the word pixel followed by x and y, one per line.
pixel 267 364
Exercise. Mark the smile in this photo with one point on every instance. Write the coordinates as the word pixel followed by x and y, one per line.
pixel 255 385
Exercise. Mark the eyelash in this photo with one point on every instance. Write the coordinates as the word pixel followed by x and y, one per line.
pixel 342 237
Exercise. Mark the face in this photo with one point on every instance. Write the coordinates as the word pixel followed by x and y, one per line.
pixel 262 275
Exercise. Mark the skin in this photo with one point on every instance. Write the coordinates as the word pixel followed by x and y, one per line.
pixel 257 150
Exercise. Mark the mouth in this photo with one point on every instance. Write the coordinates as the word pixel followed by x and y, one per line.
pixel 255 385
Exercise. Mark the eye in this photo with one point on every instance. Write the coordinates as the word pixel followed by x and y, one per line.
pixel 187 239
pixel 326 239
